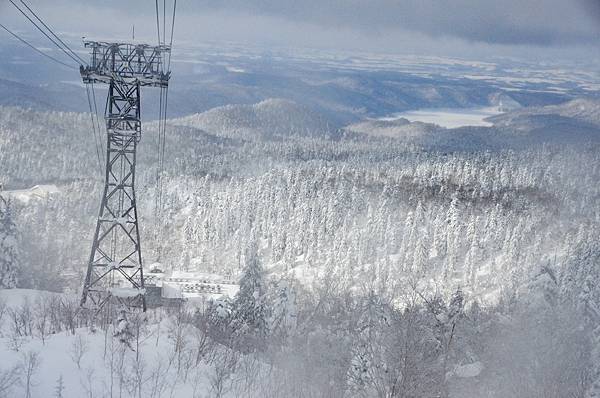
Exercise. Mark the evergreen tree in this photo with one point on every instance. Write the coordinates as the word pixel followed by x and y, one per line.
pixel 123 330
pixel 284 312
pixel 9 253
pixel 452 237
pixel 250 310
pixel 421 255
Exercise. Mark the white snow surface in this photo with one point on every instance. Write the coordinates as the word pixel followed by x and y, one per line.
pixel 449 117
pixel 470 370
pixel 15 297
pixel 56 357
pixel 56 361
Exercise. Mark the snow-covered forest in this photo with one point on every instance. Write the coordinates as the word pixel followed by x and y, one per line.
pixel 369 266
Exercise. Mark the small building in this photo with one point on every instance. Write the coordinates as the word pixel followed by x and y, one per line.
pixel 197 288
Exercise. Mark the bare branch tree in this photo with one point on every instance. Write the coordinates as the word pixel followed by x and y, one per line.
pixel 87 382
pixel 224 366
pixel 3 310
pixel 30 364
pixel 8 379
pixel 79 347
pixel 60 387
pixel 41 318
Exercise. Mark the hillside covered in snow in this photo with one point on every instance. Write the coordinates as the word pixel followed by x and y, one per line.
pixel 330 224
pixel 353 243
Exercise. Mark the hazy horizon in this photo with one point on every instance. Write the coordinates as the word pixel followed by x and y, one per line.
pixel 534 29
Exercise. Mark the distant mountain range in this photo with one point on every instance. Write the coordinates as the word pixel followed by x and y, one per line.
pixel 345 89
pixel 264 119
pixel 575 121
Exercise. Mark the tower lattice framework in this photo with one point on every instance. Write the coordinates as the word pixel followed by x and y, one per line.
pixel 115 267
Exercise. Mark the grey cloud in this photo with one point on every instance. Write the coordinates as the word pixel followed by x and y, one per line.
pixel 538 22
pixel 509 22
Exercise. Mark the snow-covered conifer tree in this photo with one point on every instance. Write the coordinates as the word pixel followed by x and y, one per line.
pixel 284 314
pixel 9 254
pixel 453 237
pixel 250 309
pixel 123 330
pixel 421 255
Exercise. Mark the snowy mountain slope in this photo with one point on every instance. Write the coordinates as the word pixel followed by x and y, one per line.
pixel 266 119
pixel 399 128
pixel 209 178
pixel 504 102
pixel 575 122
pixel 346 86
pixel 39 147
pixel 460 262
pixel 580 110
pixel 85 362
pixel 348 221
pixel 61 97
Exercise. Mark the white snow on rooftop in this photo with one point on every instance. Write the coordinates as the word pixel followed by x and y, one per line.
pixel 470 370
pixel 125 292
pixel 35 192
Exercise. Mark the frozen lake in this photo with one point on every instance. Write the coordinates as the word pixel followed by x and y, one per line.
pixel 449 117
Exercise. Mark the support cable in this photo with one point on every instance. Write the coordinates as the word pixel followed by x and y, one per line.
pixel 161 150
pixel 164 128
pixel 100 129
pixel 36 49
pixel 87 88
pixel 172 31
pixel 164 100
pixel 162 120
pixel 158 201
pixel 166 105
pixel 159 154
pixel 81 61
pixel 43 32
pixel 162 138
pixel 162 145
pixel 157 22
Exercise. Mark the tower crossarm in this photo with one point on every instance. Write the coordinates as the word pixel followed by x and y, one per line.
pixel 126 62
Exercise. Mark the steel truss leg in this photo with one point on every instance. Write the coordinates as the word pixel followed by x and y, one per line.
pixel 115 272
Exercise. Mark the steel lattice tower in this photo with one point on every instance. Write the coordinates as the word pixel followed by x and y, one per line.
pixel 115 270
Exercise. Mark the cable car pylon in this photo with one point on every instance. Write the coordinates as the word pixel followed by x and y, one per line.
pixel 115 266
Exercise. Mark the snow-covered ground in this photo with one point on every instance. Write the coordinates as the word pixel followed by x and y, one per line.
pixel 93 363
pixel 450 117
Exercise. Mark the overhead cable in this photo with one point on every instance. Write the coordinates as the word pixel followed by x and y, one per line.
pixel 164 21
pixel 96 136
pixel 157 22
pixel 42 31
pixel 97 119
pixel 172 31
pixel 36 49
pixel 53 34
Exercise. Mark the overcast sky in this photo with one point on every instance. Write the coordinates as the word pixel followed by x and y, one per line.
pixel 546 28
